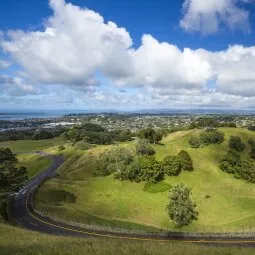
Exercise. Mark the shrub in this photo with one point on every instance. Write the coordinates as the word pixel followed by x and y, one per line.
pixel 194 142
pixel 186 161
pixel 143 148
pixel 172 165
pixel 235 143
pixel 82 145
pixel 61 148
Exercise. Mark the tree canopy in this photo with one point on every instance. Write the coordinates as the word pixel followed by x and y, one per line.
pixel 181 209
pixel 12 178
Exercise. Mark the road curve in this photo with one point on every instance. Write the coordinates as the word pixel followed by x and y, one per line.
pixel 24 215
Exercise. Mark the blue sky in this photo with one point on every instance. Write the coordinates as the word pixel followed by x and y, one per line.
pixel 149 59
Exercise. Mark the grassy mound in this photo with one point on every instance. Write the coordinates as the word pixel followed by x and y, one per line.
pixel 18 241
pixel 224 203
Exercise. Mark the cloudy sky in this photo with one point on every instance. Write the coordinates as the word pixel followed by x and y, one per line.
pixel 108 54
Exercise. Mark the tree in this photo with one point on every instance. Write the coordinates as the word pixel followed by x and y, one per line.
pixel 113 160
pixel 12 178
pixel 194 142
pixel 235 143
pixel 171 165
pixel 230 162
pixel 181 209
pixel 143 148
pixel 186 161
pixel 150 169
pixel 151 135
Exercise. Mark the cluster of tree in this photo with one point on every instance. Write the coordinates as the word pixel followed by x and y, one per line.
pixel 206 138
pixel 241 168
pixel 14 135
pixel 153 136
pixel 252 152
pixel 12 178
pixel 113 160
pixel 251 128
pixel 143 166
pixel 181 209
pixel 94 134
pixel 213 122
pixel 235 143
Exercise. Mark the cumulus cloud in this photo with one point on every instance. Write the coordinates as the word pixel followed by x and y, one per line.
pixel 75 43
pixel 15 86
pixel 208 16
pixel 4 64
pixel 77 47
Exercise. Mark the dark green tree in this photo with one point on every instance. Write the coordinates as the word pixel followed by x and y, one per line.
pixel 235 143
pixel 186 161
pixel 12 178
pixel 181 209
pixel 194 142
pixel 171 165
pixel 144 148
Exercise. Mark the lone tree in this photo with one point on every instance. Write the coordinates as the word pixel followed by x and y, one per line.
pixel 143 147
pixel 181 209
pixel 12 178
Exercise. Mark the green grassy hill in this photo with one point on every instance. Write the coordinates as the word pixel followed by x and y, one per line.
pixel 14 240
pixel 104 200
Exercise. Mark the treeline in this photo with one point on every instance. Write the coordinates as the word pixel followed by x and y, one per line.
pixel 234 164
pixel 141 165
pixel 31 134
pixel 213 122
pixel 95 134
pixel 206 138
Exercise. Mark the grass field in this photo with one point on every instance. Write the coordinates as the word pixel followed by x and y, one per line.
pixel 230 206
pixel 34 163
pixel 17 241
pixel 29 145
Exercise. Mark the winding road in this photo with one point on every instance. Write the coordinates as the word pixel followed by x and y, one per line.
pixel 24 215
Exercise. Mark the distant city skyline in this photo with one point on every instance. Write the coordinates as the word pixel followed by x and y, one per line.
pixel 127 55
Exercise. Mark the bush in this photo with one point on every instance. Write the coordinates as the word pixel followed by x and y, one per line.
pixel 230 162
pixel 144 168
pixel 82 145
pixel 172 165
pixel 61 148
pixel 235 143
pixel 143 148
pixel 186 161
pixel 194 142
pixel 113 160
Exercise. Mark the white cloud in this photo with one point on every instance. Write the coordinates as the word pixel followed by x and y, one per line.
pixel 15 86
pixel 4 64
pixel 207 16
pixel 77 45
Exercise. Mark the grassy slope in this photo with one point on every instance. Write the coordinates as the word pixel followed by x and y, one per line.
pixel 34 163
pixel 17 241
pixel 230 208
pixel 29 145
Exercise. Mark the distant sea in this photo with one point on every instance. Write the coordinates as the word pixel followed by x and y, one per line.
pixel 29 114
pixel 20 115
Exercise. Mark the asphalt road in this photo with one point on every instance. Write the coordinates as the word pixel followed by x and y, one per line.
pixel 24 215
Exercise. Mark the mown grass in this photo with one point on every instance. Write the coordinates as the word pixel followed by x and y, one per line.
pixel 224 203
pixel 14 240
